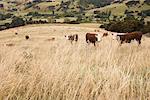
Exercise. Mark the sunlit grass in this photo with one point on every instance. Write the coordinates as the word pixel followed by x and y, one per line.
pixel 51 70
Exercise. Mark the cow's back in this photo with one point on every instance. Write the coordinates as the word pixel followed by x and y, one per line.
pixel 91 37
pixel 134 35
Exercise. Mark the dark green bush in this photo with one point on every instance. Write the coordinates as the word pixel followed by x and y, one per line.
pixel 34 14
pixel 146 12
pixel 146 28
pixel 129 24
pixel 132 3
pixel 5 16
pixel 17 22
pixel 70 14
pixel 147 2
pixel 103 15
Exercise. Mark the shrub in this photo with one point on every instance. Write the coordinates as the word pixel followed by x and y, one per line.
pixel 67 20
pixel 132 3
pixel 51 20
pixel 2 27
pixel 146 28
pixel 70 14
pixel 147 2
pixel 17 21
pixel 146 12
pixel 34 14
pixel 74 22
pixel 129 24
pixel 5 16
pixel 103 15
pixel 2 17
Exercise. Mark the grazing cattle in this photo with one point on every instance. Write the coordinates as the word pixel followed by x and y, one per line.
pixel 92 38
pixel 27 37
pixel 72 38
pixel 127 37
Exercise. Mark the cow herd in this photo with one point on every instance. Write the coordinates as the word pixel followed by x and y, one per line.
pixel 93 37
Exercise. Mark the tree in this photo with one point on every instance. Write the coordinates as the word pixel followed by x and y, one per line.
pixel 129 24
pixel 17 21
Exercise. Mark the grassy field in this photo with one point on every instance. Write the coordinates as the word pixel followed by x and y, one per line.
pixel 52 70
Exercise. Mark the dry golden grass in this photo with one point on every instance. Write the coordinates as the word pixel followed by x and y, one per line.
pixel 56 70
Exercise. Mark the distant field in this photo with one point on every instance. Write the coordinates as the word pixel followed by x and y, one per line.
pixel 42 69
pixel 119 9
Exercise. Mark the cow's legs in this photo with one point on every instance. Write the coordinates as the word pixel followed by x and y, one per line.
pixel 94 44
pixel 128 41
pixel 87 41
pixel 139 41
pixel 71 41
pixel 121 42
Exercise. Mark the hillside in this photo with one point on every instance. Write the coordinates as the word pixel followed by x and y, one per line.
pixel 74 5
pixel 72 11
pixel 118 9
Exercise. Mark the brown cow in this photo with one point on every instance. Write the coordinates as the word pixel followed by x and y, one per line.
pixel 127 37
pixel 92 38
pixel 72 38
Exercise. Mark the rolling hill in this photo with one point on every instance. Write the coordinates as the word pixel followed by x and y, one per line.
pixel 72 8
pixel 118 9
pixel 88 5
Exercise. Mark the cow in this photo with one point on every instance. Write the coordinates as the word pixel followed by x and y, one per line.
pixel 16 33
pixel 27 37
pixel 72 38
pixel 128 37
pixel 93 38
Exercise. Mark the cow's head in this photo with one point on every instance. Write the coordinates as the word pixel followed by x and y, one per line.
pixel 115 37
pixel 105 34
pixel 99 37
pixel 67 37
